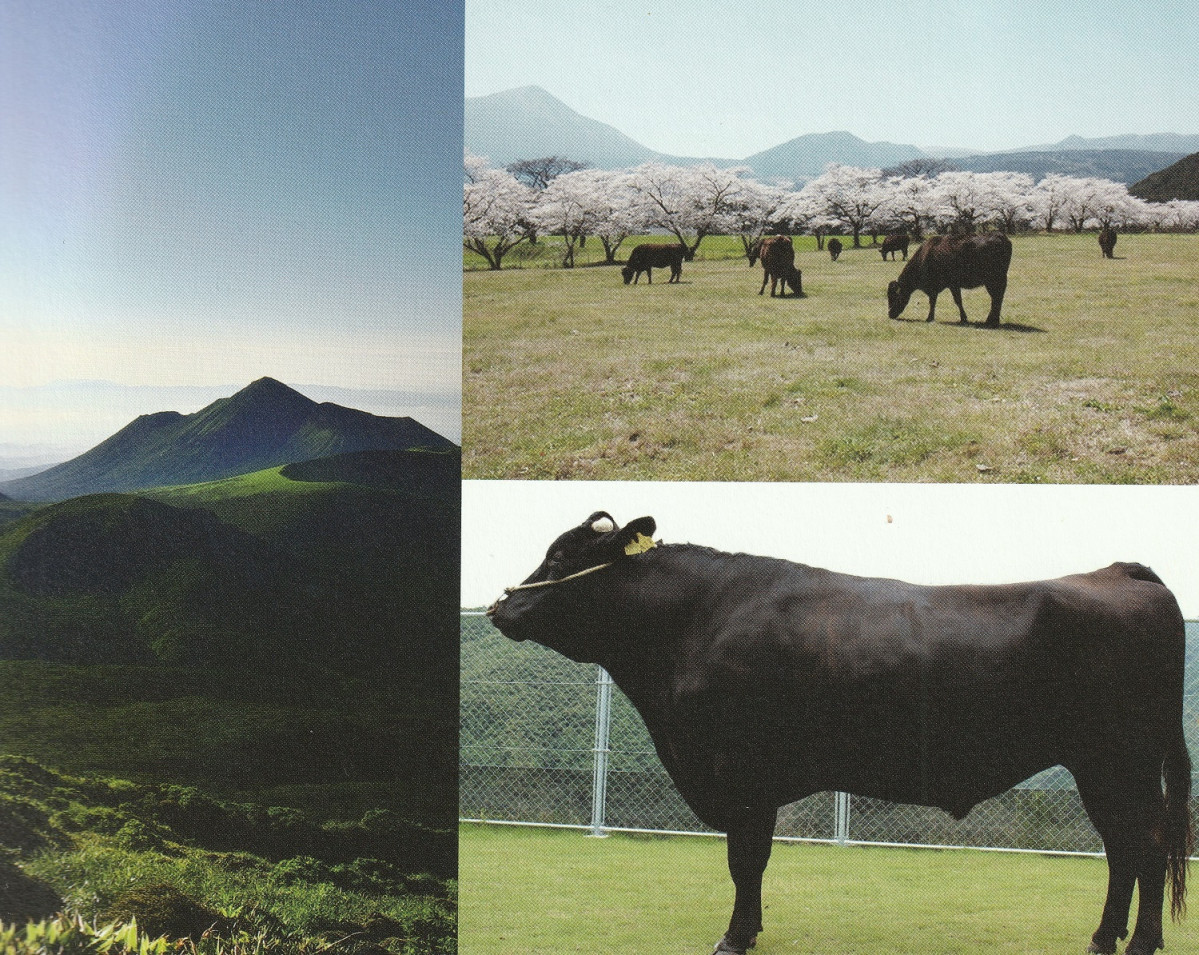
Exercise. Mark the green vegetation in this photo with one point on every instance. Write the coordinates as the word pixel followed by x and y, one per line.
pixel 1093 378
pixel 247 693
pixel 538 891
pixel 151 861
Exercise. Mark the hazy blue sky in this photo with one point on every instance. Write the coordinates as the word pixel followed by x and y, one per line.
pixel 202 193
pixel 707 78
pixel 924 533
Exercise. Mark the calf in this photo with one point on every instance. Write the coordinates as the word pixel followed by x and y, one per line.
pixel 834 248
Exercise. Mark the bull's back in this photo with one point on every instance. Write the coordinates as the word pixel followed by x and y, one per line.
pixel 892 689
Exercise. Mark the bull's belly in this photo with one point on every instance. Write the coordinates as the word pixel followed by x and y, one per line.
pixel 954 781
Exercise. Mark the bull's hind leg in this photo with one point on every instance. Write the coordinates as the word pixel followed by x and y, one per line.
pixel 749 840
pixel 996 291
pixel 1128 813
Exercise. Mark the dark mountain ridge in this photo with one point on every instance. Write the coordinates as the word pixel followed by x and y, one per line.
pixel 264 425
pixel 1179 181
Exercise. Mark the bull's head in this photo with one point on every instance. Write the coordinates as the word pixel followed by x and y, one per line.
pixel 897 299
pixel 544 607
pixel 627 272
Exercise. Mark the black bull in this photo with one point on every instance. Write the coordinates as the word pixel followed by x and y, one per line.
pixel 763 681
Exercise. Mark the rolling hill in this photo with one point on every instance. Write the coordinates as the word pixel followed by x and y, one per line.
pixel 264 425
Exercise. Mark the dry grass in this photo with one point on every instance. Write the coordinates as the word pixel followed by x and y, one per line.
pixel 1093 378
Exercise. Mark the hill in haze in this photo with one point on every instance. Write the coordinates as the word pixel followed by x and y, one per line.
pixel 529 123
pixel 1179 181
pixel 264 425
pixel 1118 165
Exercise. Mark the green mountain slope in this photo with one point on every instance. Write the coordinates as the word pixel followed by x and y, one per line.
pixel 264 425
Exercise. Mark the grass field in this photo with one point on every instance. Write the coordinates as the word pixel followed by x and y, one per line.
pixel 545 891
pixel 1094 376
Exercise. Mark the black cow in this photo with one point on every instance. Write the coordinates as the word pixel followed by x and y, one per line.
pixel 763 681
pixel 834 248
pixel 1107 242
pixel 647 257
pixel 778 266
pixel 954 262
pixel 898 242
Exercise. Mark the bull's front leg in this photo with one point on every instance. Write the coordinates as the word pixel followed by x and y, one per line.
pixel 932 306
pixel 957 300
pixel 749 841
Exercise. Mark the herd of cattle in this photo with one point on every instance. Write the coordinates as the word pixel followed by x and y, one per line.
pixel 952 262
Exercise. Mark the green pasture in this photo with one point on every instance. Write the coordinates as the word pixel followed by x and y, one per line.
pixel 551 891
pixel 1093 377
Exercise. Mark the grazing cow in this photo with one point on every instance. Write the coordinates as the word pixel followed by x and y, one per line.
pixel 647 257
pixel 954 262
pixel 1107 242
pixel 778 266
pixel 834 248
pixel 897 242
pixel 763 681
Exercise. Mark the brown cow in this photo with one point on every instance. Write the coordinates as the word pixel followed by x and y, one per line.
pixel 898 242
pixel 834 248
pixel 954 262
pixel 778 266
pixel 647 256
pixel 1107 241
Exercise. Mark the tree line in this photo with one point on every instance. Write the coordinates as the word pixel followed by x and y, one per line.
pixel 504 207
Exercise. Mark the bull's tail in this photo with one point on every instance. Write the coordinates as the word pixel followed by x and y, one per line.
pixel 1179 836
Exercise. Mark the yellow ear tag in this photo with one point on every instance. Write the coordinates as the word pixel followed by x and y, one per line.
pixel 639 544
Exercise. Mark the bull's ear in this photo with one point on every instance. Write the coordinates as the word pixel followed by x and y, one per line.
pixel 637 536
pixel 600 522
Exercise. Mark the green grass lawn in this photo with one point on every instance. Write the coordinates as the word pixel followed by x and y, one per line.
pixel 1093 378
pixel 553 891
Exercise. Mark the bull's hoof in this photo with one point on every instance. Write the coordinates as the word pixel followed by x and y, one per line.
pixel 1139 947
pixel 725 946
pixel 992 324
pixel 1101 948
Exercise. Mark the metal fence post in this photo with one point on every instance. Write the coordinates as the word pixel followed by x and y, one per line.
pixel 841 818
pixel 603 723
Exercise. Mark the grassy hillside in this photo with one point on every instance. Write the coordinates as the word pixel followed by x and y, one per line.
pixel 183 864
pixel 281 645
pixel 1092 378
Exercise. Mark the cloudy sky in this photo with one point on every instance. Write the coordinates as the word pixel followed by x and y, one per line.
pixel 203 193
pixel 927 534
pixel 709 78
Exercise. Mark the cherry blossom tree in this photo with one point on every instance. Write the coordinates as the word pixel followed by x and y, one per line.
pixel 849 195
pixel 690 202
pixel 910 203
pixel 595 202
pixel 759 208
pixel 496 210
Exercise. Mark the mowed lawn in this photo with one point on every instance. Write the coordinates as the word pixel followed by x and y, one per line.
pixel 1094 376
pixel 544 891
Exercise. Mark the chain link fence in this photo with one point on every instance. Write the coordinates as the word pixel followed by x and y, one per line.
pixel 545 741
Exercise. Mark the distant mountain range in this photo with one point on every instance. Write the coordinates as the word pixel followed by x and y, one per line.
pixel 530 123
pixel 264 425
